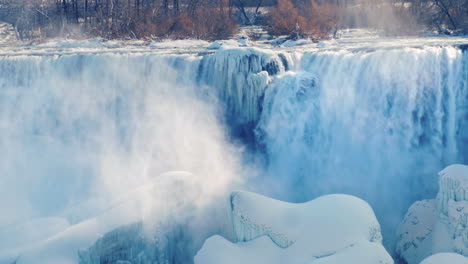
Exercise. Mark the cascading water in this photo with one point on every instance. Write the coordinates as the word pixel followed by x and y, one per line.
pixel 82 130
pixel 378 125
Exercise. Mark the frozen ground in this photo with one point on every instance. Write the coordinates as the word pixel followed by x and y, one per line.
pixel 353 39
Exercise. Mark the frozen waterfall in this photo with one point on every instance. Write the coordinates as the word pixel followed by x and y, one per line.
pixel 82 129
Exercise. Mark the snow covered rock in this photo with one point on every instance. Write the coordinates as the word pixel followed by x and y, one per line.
pixel 440 225
pixel 293 43
pixel 243 41
pixel 329 229
pixel 132 244
pixel 446 258
pixel 216 45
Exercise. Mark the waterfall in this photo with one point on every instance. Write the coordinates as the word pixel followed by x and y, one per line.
pixel 81 130
pixel 376 124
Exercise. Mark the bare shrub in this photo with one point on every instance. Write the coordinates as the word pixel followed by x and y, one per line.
pixel 303 19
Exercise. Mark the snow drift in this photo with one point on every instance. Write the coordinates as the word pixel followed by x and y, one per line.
pixel 329 229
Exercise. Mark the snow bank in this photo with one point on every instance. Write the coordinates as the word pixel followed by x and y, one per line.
pixel 329 229
pixel 178 44
pixel 446 258
pixel 71 43
pixel 293 43
pixel 439 225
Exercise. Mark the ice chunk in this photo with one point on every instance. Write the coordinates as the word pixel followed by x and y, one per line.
pixel 329 229
pixel 453 186
pixel 446 258
pixel 439 225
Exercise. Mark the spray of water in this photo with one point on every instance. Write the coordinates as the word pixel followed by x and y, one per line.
pixel 82 134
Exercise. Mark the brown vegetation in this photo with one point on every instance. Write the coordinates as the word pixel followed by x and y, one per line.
pixel 219 19
pixel 303 19
pixel 205 19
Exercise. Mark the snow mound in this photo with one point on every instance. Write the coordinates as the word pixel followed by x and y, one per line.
pixel 329 229
pixel 446 258
pixel 138 204
pixel 440 225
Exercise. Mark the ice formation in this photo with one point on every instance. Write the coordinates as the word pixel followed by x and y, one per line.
pixel 241 77
pixel 83 122
pixel 440 225
pixel 329 229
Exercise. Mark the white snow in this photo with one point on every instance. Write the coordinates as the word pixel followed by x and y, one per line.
pixel 445 258
pixel 329 229
pixel 243 41
pixel 439 225
pixel 216 45
pixel 7 33
pixel 415 232
pixel 293 43
pixel 62 43
pixel 178 44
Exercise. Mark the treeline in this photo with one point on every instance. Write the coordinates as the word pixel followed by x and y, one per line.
pixel 442 14
pixel 219 19
pixel 206 19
